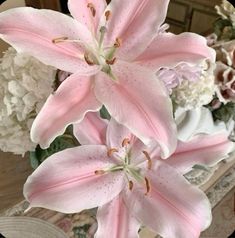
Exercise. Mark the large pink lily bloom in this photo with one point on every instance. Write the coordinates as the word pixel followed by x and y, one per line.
pixel 127 180
pixel 99 47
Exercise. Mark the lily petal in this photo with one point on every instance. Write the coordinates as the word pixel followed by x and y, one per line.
pixel 135 22
pixel 32 31
pixel 177 208
pixel 63 180
pixel 87 12
pixel 140 102
pixel 115 221
pixel 67 105
pixel 91 130
pixel 202 149
pixel 168 50
pixel 116 133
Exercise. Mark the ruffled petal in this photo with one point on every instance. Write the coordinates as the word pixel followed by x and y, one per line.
pixel 115 221
pixel 139 101
pixel 202 149
pixel 91 130
pixel 67 182
pixel 32 31
pixel 173 207
pixel 67 105
pixel 87 12
pixel 168 50
pixel 135 22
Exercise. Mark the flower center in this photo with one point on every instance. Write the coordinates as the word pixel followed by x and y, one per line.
pixel 98 54
pixel 132 172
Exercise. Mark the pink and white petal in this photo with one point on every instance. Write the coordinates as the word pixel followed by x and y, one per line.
pixel 168 50
pixel 69 104
pixel 115 221
pixel 135 22
pixel 140 102
pixel 202 149
pixel 67 182
pixel 91 130
pixel 116 133
pixel 81 12
pixel 32 31
pixel 177 208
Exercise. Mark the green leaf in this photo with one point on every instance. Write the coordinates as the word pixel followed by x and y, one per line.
pixel 223 28
pixel 60 143
pixel 104 113
pixel 34 162
pixel 225 112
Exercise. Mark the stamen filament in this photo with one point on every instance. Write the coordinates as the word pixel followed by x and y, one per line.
pixel 111 151
pixel 103 30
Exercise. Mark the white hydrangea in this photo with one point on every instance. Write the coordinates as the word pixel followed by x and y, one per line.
pixel 191 94
pixel 25 84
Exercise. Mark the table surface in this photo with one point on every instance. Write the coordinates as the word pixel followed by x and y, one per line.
pixel 14 171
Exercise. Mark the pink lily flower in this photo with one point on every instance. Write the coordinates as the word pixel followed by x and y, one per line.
pixel 127 180
pixel 99 46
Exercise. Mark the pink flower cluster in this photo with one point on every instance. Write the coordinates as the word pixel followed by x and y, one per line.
pixel 132 166
pixel 225 71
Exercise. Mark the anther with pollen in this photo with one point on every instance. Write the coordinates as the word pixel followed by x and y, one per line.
pixel 99 172
pixel 148 188
pixel 88 60
pixel 107 15
pixel 118 43
pixel 59 40
pixel 111 62
pixel 148 159
pixel 125 142
pixel 131 185
pixel 92 8
pixel 111 151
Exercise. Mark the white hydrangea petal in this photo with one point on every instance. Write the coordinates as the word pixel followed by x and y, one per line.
pixel 25 84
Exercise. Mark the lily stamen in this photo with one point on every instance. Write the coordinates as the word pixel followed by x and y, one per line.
pixel 118 43
pixel 148 187
pixel 92 8
pixel 99 172
pixel 131 185
pixel 125 142
pixel 111 151
pixel 148 159
pixel 59 39
pixel 107 15
pixel 111 62
pixel 88 60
